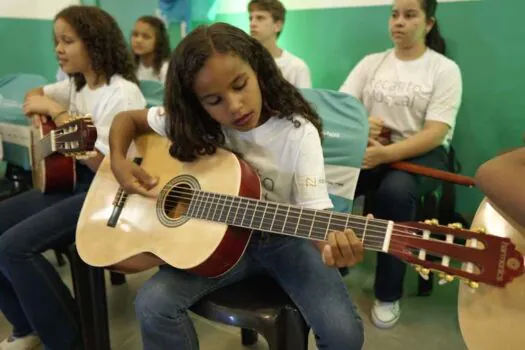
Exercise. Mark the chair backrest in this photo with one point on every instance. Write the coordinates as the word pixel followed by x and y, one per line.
pixel 153 92
pixel 13 123
pixel 345 129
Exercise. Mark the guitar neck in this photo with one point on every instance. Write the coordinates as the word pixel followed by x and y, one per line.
pixel 287 219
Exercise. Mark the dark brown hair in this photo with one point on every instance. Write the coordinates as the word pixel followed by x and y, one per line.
pixel 190 128
pixel 274 7
pixel 104 42
pixel 162 50
pixel 434 39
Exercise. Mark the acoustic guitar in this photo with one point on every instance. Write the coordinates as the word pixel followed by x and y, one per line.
pixel 205 211
pixel 493 318
pixel 489 318
pixel 54 150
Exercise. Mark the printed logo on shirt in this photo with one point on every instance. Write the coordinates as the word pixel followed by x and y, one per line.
pixel 310 181
pixel 267 184
pixel 332 134
pixel 396 93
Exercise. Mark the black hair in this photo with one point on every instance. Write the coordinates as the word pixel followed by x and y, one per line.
pixel 190 128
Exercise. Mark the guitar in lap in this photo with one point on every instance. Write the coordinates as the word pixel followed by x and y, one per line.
pixel 53 150
pixel 204 214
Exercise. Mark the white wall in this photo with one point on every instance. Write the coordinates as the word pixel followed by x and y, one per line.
pixel 238 6
pixel 33 9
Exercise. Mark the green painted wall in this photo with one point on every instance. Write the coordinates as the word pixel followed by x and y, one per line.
pixel 27 46
pixel 485 38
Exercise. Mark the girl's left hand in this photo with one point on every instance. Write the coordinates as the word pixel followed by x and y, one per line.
pixel 375 154
pixel 42 105
pixel 343 249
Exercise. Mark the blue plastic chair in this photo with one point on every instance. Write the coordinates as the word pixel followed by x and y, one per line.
pixel 153 92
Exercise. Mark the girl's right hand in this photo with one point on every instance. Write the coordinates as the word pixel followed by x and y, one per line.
pixel 132 178
pixel 375 127
pixel 37 120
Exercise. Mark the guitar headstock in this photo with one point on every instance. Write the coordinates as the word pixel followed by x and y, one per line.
pixel 452 251
pixel 76 138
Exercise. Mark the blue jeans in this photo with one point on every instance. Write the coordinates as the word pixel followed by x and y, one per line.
pixel 395 196
pixel 318 291
pixel 33 297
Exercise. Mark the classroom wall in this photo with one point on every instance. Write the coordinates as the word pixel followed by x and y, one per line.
pixel 484 37
pixel 26 40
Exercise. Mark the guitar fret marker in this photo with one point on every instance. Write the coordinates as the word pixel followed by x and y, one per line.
pixel 312 226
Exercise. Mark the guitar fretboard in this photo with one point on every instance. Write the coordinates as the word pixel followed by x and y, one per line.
pixel 286 219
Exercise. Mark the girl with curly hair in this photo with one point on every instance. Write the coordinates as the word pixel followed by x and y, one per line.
pixel 224 89
pixel 151 48
pixel 91 49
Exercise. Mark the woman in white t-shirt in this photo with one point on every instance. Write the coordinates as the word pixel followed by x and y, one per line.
pixel 412 93
pixel 151 48
pixel 92 50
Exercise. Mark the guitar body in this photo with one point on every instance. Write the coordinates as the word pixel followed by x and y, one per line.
pixel 489 317
pixel 54 173
pixel 142 237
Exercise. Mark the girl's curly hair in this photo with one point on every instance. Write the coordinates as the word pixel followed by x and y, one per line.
pixel 162 50
pixel 104 42
pixel 192 131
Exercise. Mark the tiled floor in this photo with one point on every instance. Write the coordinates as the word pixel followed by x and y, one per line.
pixel 426 323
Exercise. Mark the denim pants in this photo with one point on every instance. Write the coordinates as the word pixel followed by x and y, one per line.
pixel 395 196
pixel 33 297
pixel 318 291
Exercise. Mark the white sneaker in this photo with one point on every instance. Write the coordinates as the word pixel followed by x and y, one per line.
pixel 385 314
pixel 29 342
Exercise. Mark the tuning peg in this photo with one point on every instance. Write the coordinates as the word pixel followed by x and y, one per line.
pixel 85 155
pixel 472 284
pixel 456 225
pixel 481 230
pixel 434 222
pixel 445 278
pixel 423 272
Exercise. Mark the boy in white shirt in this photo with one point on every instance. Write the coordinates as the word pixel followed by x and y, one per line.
pixel 266 24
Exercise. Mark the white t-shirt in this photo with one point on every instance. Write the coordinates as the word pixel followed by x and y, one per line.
pixel 61 75
pixel 103 103
pixel 289 160
pixel 406 94
pixel 147 73
pixel 294 70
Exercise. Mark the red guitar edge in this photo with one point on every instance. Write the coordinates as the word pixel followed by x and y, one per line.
pixel 63 176
pixel 434 173
pixel 236 239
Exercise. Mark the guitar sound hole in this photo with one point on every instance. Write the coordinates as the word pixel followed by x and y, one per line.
pixel 177 201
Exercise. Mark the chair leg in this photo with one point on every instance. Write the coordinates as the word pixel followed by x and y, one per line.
pixel 295 331
pixel 90 296
pixel 60 259
pixel 117 278
pixel 290 332
pixel 424 288
pixel 248 337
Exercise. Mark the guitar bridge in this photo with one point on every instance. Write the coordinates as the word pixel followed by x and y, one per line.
pixel 119 202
